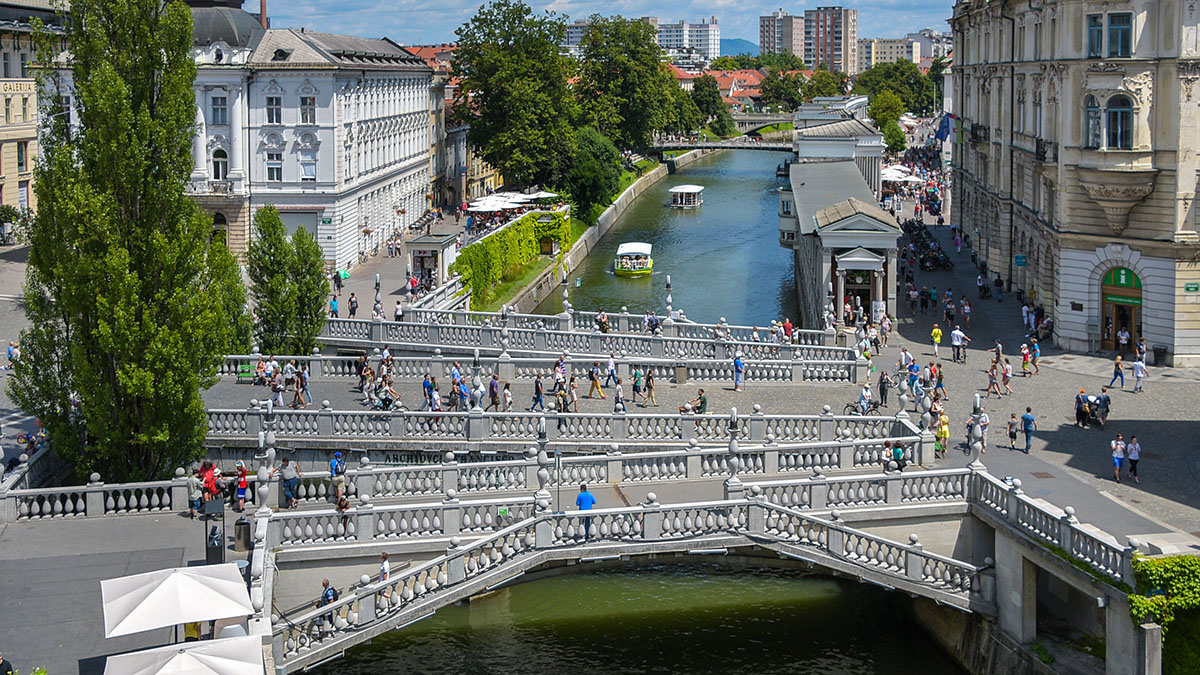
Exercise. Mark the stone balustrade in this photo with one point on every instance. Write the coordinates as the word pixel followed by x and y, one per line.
pixel 406 336
pixel 477 426
pixel 303 637
pixel 526 369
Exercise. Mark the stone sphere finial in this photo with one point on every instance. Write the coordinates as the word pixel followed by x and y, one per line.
pixel 913 538
pixel 451 493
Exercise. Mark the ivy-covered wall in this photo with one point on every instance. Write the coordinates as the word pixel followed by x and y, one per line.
pixel 1169 592
pixel 482 264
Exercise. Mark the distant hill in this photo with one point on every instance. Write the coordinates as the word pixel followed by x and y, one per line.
pixel 735 46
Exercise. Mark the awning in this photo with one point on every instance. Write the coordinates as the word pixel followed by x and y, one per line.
pixel 169 597
pixel 231 656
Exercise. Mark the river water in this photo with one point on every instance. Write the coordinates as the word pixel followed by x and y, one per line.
pixel 724 258
pixel 662 619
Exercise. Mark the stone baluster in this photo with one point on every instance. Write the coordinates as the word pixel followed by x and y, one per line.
pixel 758 424
pixel 451 513
pixel 1013 500
pixel 914 562
pixel 1066 528
pixel 818 490
pixel 365 612
pixel 826 426
pixel 456 563
pixel 179 500
pixel 652 517
pixel 733 485
pixel 835 537
pixel 94 497
pixel 364 519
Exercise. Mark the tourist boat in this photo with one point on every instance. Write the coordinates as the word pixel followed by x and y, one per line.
pixel 686 196
pixel 633 260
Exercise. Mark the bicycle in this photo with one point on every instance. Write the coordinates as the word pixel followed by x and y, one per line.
pixel 853 408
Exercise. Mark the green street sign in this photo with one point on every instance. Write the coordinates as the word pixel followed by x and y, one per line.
pixel 1191 288
pixel 327 221
pixel 1122 300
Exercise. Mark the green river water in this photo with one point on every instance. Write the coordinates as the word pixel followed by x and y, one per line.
pixel 663 619
pixel 724 258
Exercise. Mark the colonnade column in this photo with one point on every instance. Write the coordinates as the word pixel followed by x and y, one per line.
pixel 839 301
pixel 200 140
pixel 236 161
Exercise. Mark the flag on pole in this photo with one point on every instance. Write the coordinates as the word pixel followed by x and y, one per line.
pixel 958 130
pixel 943 131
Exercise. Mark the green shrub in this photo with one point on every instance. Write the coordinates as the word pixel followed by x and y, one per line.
pixel 486 262
pixel 1169 592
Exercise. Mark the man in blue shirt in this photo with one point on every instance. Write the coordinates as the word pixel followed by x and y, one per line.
pixel 427 390
pixel 1029 425
pixel 337 473
pixel 739 372
pixel 584 502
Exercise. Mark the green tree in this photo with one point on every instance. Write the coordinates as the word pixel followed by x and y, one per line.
pixel 722 125
pixel 624 89
pixel 783 62
pixel 596 172
pixel 782 89
pixel 269 265
pixel 520 107
pixel 310 289
pixel 129 302
pixel 936 75
pixel 707 96
pixel 824 83
pixel 904 78
pixel 893 135
pixel 726 63
pixel 685 117
pixel 885 107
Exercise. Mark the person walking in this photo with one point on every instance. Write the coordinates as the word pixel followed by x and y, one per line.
pixel 958 344
pixel 993 381
pixel 1081 408
pixel 337 474
pixel 573 397
pixel 936 336
pixel 619 403
pixel 539 394
pixel 1037 356
pixel 508 399
pixel 1007 374
pixel 1014 424
pixel 493 393
pixel 333 311
pixel 398 313
pixel 649 399
pixel 739 372
pixel 1118 372
pixel 1139 374
pixel 612 370
pixel 1118 455
pixel 884 385
pixel 939 379
pixel 241 483
pixel 594 379
pixel 195 490
pixel 1133 453
pixel 1123 340
pixel 965 310
pixel 353 305
pixel 585 501
pixel 637 383
pixel 1028 425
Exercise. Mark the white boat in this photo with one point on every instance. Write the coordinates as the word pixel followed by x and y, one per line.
pixel 633 260
pixel 686 196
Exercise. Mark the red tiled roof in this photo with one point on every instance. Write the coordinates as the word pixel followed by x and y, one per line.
pixel 679 73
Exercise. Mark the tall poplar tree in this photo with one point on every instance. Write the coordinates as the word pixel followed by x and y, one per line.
pixel 269 264
pixel 130 301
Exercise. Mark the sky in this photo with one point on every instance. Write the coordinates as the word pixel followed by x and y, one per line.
pixel 413 22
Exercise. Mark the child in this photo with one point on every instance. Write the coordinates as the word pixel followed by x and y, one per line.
pixel 1014 425
pixel 242 484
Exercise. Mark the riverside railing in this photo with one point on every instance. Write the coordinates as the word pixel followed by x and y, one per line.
pixel 317 632
pixel 509 427
pixel 676 370
pixel 366 334
pixel 1051 526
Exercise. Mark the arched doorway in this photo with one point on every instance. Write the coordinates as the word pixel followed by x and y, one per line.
pixel 219 227
pixel 1120 306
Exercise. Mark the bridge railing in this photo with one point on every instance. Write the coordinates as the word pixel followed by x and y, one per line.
pixel 677 370
pixel 369 334
pixel 1053 527
pixel 517 427
pixel 306 634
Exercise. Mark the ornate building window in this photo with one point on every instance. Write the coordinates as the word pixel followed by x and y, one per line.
pixel 274 110
pixel 1091 123
pixel 220 110
pixel 1095 36
pixel 220 164
pixel 1120 123
pixel 308 110
pixel 1120 34
pixel 308 166
pixel 274 167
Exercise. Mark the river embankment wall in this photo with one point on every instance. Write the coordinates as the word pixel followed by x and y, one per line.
pixel 544 284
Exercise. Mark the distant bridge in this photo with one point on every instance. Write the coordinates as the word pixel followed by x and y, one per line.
pixel 741 143
pixel 747 122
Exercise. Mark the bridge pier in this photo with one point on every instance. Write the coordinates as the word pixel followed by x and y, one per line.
pixel 1016 591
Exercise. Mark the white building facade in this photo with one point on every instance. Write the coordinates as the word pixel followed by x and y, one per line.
pixel 333 130
pixel 1077 174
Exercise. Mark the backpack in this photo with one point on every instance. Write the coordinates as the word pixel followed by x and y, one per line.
pixel 337 595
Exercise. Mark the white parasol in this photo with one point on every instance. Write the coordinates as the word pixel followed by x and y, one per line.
pixel 169 597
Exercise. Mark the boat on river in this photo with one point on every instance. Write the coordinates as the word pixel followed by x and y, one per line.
pixel 686 196
pixel 633 260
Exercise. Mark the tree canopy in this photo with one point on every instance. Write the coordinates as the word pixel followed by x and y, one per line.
pixel 514 82
pixel 131 302
pixel 624 89
pixel 782 89
pixel 707 96
pixel 756 62
pixel 904 78
pixel 825 83
pixel 288 285
pixel 893 135
pixel 596 172
pixel 685 117
pixel 885 107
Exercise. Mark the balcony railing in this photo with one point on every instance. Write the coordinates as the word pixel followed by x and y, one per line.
pixel 1047 151
pixel 219 187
